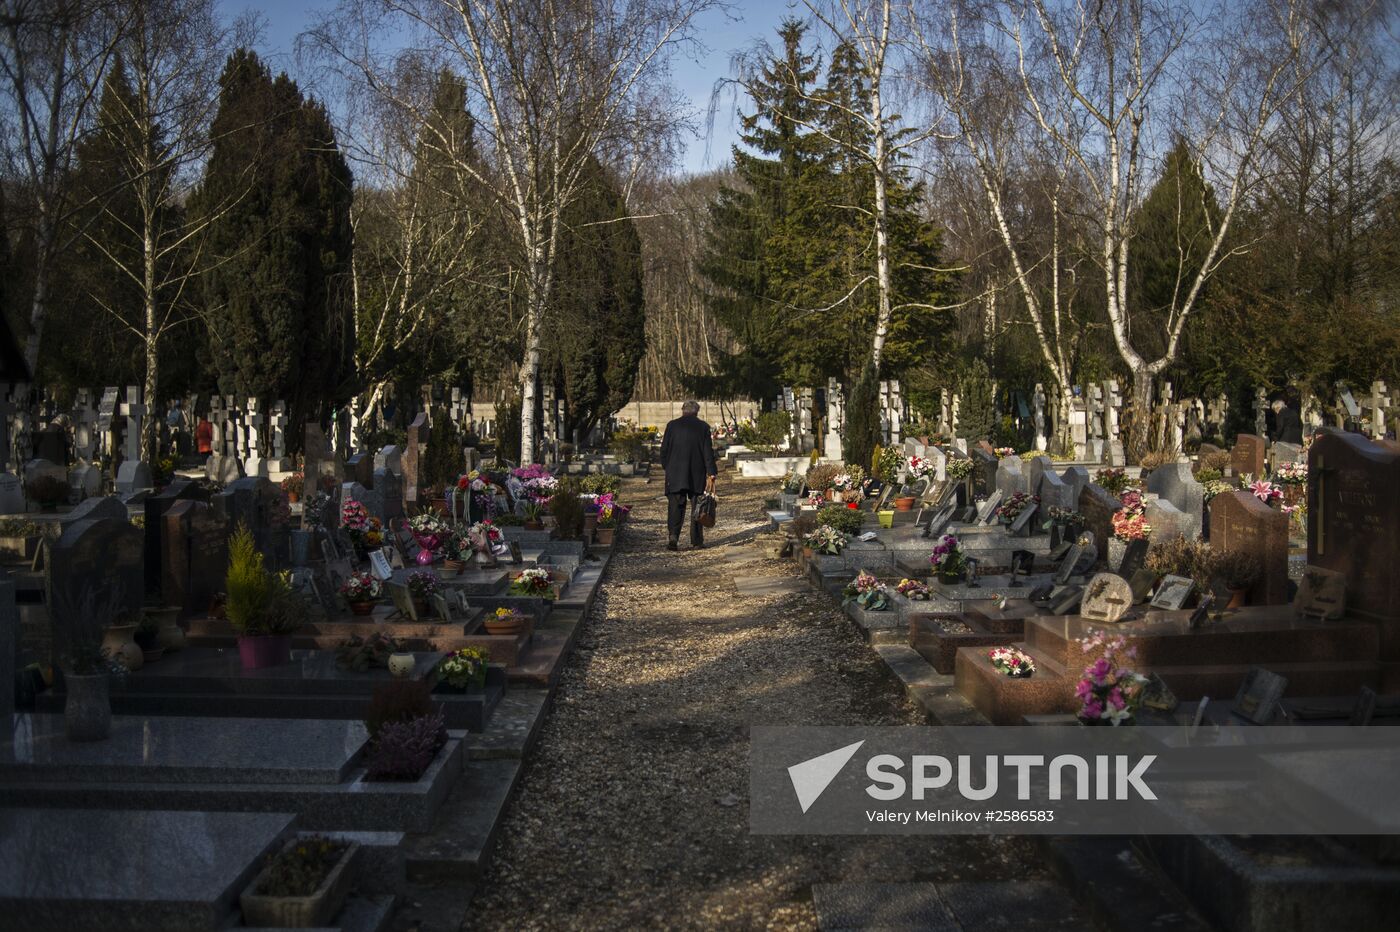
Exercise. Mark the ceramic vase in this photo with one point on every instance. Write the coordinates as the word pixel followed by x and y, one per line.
pixel 401 664
pixel 119 643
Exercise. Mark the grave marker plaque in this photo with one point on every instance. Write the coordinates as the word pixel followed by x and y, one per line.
pixel 1322 594
pixel 1258 699
pixel 1107 598
pixel 1172 594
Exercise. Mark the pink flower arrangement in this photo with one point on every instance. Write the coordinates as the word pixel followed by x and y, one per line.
pixel 1108 690
pixel 354 515
pixel 920 467
pixel 1266 491
pixel 1292 473
pixel 1130 521
pixel 948 556
pixel 1009 661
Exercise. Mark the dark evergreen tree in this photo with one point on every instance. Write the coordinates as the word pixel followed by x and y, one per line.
pixel 976 403
pixel 862 429
pixel 278 301
pixel 596 348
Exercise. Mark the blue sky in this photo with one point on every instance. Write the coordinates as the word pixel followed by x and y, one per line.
pixel 720 32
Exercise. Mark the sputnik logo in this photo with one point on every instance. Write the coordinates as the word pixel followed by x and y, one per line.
pixel 811 777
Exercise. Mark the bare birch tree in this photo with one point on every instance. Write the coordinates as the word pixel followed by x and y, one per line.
pixel 1107 84
pixel 552 84
pixel 158 123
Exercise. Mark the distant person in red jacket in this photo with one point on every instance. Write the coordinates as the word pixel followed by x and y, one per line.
pixel 204 437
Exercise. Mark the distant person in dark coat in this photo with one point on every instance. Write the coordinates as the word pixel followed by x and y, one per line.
pixel 688 457
pixel 1288 426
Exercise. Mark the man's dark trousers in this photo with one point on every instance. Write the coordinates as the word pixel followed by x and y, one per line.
pixel 679 511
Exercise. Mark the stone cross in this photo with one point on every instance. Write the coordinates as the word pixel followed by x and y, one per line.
pixel 945 413
pixel 955 415
pixel 896 412
pixel 1216 413
pixel 1094 423
pixel 278 420
pixel 1311 414
pixel 835 419
pixel 1380 401
pixel 134 412
pixel 1261 405
pixel 253 419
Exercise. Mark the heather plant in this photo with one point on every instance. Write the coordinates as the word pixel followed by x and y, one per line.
pixel 404 750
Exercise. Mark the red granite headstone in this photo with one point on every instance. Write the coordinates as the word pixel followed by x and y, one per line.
pixel 1248 455
pixel 1240 521
pixel 1354 525
pixel 1098 506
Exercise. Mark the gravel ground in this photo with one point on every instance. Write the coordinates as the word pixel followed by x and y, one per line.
pixel 633 811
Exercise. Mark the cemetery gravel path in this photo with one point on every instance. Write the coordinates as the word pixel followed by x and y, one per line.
pixel 633 810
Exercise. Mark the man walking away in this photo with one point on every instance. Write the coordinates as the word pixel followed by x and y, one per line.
pixel 688 457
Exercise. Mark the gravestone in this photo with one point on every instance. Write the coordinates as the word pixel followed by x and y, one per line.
pixel 256 502
pixel 1021 526
pixel 85 480
pixel 360 468
pixel 316 457
pixel 1283 452
pixel 12 501
pixel 156 507
pixel 1240 521
pixel 1134 556
pixel 1247 455
pixel 1354 525
pixel 106 507
pixel 388 485
pixel 1168 521
pixel 1053 491
pixel 939 522
pixel 390 458
pixel 987 511
pixel 1098 506
pixel 134 476
pixel 984 470
pixel 94 575
pixel 1172 594
pixel 193 556
pixel 1175 483
pixel 1107 598
pixel 412 453
pixel 1011 476
pixel 1077 479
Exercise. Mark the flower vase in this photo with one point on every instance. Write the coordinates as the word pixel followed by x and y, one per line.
pixel 401 664
pixel 424 557
pixel 1239 598
pixel 119 643
pixel 362 608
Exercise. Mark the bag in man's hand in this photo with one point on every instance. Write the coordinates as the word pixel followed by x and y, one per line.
pixel 705 506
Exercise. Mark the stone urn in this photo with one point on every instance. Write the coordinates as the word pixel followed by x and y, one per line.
pixel 119 643
pixel 401 664
pixel 170 637
pixel 87 710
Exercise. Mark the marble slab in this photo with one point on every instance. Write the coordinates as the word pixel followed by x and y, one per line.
pixel 310 673
pixel 175 749
pixel 94 868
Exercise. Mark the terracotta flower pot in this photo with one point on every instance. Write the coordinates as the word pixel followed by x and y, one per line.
pixel 454 567
pixel 362 608
pixel 293 498
pixel 504 626
pixel 1239 598
pixel 604 536
pixel 904 503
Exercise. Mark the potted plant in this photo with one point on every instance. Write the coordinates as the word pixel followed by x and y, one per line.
pixel 504 621
pixel 825 540
pixel 303 886
pixel 609 517
pixel 19 538
pixel 293 484
pixel 422 585
pixel 1238 571
pixel 534 511
pixel 1293 479
pixel 959 470
pixel 948 559
pixel 360 589
pixel 457 551
pixel 147 638
pixel 868 592
pixel 262 607
pixel 462 670
pixel 534 582
pixel 913 590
